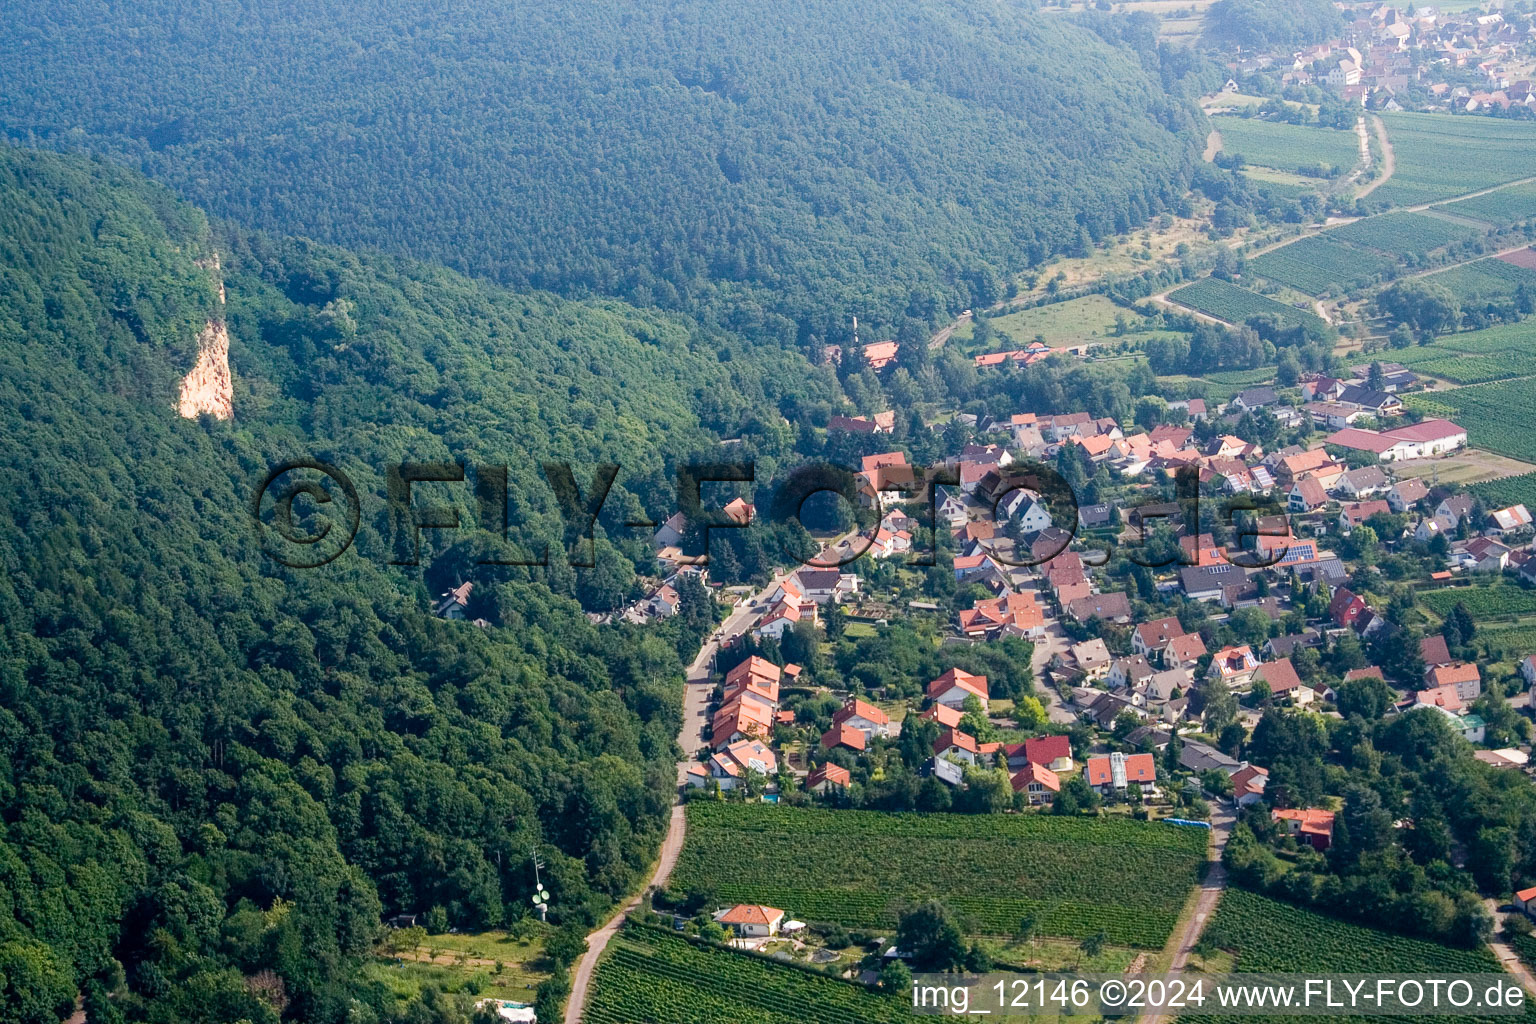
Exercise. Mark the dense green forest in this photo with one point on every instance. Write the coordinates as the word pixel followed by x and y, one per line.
pixel 1261 23
pixel 211 765
pixel 775 169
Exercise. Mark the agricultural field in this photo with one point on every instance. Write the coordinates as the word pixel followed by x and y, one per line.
pixel 1320 264
pixel 1488 602
pixel 1403 234
pixel 1090 319
pixel 1286 147
pixel 1270 936
pixel 1439 156
pixel 1511 490
pixel 1507 644
pixel 1483 280
pixel 859 868
pixel 1179 383
pixel 652 975
pixel 1476 357
pixel 1228 302
pixel 1501 208
pixel 1496 415
pixel 1506 341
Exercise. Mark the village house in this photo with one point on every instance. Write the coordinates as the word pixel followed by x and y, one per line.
pixel 1115 608
pixel 845 736
pixel 1110 776
pixel 780 618
pixel 1508 520
pixel 1233 665
pixel 1306 495
pixel 828 777
pixel 1364 482
pixel 454 602
pixel 1283 682
pixel 946 716
pixel 1407 493
pixel 1054 752
pixel 866 718
pixel 731 767
pixel 1151 637
pixel 1484 554
pixel 1013 614
pixel 1129 673
pixel 1038 783
pixel 1183 651
pixel 750 921
pixel 1312 826
pixel 1091 659
pixel 953 687
pixel 1464 677
pixel 1248 784
pixel 1356 513
pixel 954 745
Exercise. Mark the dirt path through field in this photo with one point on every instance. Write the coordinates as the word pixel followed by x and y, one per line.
pixel 1212 146
pixel 1189 929
pixel 1388 158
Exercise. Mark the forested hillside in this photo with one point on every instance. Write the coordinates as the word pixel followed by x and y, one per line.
pixel 211 765
pixel 776 168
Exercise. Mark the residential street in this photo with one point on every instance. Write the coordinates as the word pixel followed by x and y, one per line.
pixel 1055 642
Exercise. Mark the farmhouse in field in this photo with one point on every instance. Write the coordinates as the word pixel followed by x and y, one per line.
pixel 1413 441
pixel 751 921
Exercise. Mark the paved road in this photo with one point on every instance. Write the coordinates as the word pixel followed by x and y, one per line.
pixel 1223 814
pixel 1055 642
pixel 696 693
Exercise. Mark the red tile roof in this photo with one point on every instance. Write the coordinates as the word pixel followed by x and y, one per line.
pixel 844 736
pixel 1138 768
pixel 1033 772
pixel 853 707
pixel 961 678
pixel 1045 749
pixel 830 773
pixel 751 913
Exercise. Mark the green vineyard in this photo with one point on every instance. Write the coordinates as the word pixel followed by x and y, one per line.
pixel 1481 280
pixel 1501 208
pixel 1270 936
pixel 1320 264
pixel 860 868
pixel 655 977
pixel 1403 234
pixel 1483 602
pixel 1496 415
pixel 1475 357
pixel 1228 302
pixel 1440 157
pixel 1510 490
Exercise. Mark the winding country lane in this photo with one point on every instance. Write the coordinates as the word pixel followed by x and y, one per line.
pixel 689 737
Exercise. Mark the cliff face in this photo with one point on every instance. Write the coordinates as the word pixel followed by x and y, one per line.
pixel 207 389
